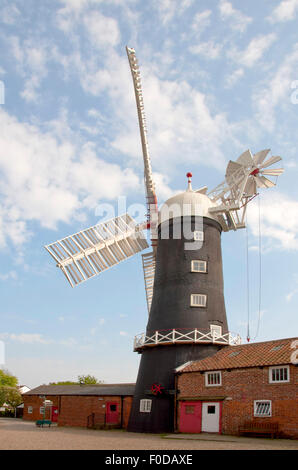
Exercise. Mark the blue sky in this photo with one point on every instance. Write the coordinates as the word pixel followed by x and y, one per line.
pixel 218 78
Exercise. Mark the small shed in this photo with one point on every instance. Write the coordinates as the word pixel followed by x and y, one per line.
pixel 102 406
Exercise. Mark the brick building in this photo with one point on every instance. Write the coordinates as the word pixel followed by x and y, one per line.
pixel 257 381
pixel 81 405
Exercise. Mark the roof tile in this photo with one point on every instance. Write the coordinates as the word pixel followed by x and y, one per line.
pixel 267 353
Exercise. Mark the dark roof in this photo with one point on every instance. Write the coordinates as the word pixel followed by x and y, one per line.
pixel 268 353
pixel 97 390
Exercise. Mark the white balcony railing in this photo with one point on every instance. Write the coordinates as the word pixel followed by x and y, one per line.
pixel 180 335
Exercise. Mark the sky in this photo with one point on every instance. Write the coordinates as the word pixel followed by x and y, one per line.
pixel 218 77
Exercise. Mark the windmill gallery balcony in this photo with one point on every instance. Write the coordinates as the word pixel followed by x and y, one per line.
pixel 184 335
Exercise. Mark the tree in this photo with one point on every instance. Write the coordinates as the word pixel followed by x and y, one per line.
pixel 13 397
pixel 88 380
pixel 82 380
pixel 7 379
pixel 66 382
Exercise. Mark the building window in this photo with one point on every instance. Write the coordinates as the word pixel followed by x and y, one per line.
pixel 41 410
pixel 279 374
pixel 145 406
pixel 198 300
pixel 262 408
pixel 198 236
pixel 216 331
pixel 212 379
pixel 198 266
pixel 30 410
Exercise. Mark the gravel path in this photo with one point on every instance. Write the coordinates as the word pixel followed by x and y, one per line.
pixel 24 435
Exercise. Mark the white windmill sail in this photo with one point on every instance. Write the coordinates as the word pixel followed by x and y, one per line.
pixel 149 273
pixel 149 183
pixel 152 211
pixel 243 178
pixel 87 253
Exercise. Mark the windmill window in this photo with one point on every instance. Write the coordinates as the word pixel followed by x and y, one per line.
pixel 262 408
pixel 212 379
pixel 198 266
pixel 279 374
pixel 198 236
pixel 198 300
pixel 145 406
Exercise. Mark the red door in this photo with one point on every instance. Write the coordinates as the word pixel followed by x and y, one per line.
pixel 54 414
pixel 190 416
pixel 112 413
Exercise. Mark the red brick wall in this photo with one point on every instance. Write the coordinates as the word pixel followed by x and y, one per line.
pixel 74 410
pixel 241 387
pixel 36 403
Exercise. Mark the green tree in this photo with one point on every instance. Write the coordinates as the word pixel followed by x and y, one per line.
pixel 66 382
pixel 13 397
pixel 3 392
pixel 7 379
pixel 88 380
pixel 82 380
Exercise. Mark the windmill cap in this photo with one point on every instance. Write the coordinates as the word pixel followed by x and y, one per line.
pixel 187 203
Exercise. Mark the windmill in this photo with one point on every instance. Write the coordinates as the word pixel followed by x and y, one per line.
pixel 184 287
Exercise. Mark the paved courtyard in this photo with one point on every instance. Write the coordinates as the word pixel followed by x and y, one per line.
pixel 24 435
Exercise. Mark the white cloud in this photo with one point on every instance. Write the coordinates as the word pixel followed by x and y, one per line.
pixel 10 275
pixel 276 91
pixel 26 338
pixel 54 178
pixel 102 30
pixel 179 123
pixel 68 342
pixel 201 21
pixel 254 51
pixel 285 11
pixel 277 231
pixel 234 77
pixel 31 61
pixel 9 14
pixel 167 9
pixel 237 20
pixel 208 49
pixel 294 290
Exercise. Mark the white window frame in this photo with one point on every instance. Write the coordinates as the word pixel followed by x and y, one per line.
pixel 262 402
pixel 216 330
pixel 30 410
pixel 271 369
pixel 208 374
pixel 204 268
pixel 41 410
pixel 145 405
pixel 201 297
pixel 198 236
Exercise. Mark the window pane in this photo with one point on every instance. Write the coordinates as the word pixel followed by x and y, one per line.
pixel 262 408
pixel 279 374
pixel 211 409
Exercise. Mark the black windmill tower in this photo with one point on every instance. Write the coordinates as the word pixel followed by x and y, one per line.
pixel 183 272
